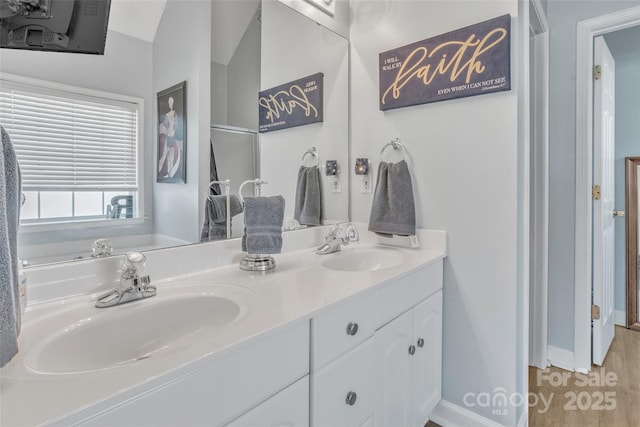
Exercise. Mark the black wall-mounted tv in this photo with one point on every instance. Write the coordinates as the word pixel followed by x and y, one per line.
pixel 77 26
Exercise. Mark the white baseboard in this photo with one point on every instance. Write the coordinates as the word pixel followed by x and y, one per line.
pixel 620 317
pixel 561 358
pixel 448 414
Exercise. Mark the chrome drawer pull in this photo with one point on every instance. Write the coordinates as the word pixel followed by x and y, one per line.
pixel 412 349
pixel 420 342
pixel 351 398
pixel 352 328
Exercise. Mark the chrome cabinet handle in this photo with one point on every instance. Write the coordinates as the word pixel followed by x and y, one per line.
pixel 352 328
pixel 351 398
pixel 420 342
pixel 412 349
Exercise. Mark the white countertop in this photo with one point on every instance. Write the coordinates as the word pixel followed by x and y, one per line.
pixel 295 291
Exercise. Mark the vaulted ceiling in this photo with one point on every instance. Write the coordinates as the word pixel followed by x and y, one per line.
pixel 229 21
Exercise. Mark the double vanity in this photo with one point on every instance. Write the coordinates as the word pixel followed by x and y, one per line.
pixel 349 338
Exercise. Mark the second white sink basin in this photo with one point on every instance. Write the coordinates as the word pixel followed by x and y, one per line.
pixel 363 259
pixel 110 337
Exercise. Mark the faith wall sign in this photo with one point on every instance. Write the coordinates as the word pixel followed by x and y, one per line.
pixel 474 60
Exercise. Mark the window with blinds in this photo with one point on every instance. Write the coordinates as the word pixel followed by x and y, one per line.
pixel 78 154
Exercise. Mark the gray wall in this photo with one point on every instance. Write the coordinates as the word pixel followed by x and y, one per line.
pixel 465 164
pixel 181 51
pixel 625 48
pixel 563 17
pixel 125 68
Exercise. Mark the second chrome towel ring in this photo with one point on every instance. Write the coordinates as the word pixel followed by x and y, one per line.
pixel 397 145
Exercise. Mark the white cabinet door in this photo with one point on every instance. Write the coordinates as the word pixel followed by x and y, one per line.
pixel 427 362
pixel 288 408
pixel 342 393
pixel 393 366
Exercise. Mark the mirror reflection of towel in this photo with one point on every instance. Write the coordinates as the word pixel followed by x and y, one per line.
pixel 308 207
pixel 393 210
pixel 215 215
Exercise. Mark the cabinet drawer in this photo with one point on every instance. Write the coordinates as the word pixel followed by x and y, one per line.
pixel 399 296
pixel 341 328
pixel 342 392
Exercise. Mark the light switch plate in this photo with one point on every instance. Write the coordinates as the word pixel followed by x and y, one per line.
pixel 365 185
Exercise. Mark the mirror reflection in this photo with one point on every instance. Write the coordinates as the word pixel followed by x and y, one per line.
pixel 112 192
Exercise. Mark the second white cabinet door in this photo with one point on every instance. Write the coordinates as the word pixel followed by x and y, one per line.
pixel 342 393
pixel 394 385
pixel 427 363
pixel 288 408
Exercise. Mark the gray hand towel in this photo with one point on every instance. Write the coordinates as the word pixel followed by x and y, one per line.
pixel 9 221
pixel 308 208
pixel 215 215
pixel 393 210
pixel 263 217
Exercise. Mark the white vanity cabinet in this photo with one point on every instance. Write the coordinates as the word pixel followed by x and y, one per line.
pixel 408 365
pixel 387 370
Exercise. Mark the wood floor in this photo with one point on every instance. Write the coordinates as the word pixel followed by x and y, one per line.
pixel 607 397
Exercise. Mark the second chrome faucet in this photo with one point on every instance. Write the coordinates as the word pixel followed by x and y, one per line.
pixel 339 235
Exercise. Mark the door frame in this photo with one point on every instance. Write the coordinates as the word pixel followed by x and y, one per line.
pixel 632 219
pixel 586 31
pixel 539 223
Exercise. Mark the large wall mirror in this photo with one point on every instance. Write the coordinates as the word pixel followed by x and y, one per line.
pixel 632 188
pixel 225 52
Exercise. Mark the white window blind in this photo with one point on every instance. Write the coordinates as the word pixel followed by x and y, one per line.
pixel 70 142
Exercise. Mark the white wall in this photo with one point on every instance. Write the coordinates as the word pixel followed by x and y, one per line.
pixel 625 48
pixel 293 47
pixel 218 93
pixel 125 68
pixel 563 17
pixel 464 160
pixel 243 78
pixel 181 51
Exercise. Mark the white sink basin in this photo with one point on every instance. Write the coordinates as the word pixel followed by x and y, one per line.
pixel 110 337
pixel 363 259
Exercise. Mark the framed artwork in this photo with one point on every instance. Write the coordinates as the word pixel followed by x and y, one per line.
pixel 172 135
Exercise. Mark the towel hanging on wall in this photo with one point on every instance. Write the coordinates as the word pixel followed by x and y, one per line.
pixel 10 194
pixel 393 209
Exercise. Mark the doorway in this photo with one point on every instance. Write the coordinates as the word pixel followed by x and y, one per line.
pixel 584 262
pixel 539 192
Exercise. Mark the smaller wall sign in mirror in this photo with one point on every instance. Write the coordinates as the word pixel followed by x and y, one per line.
pixel 172 135
pixel 292 104
pixel 474 60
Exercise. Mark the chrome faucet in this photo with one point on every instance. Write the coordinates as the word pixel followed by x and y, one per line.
pixel 101 248
pixel 339 235
pixel 133 286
